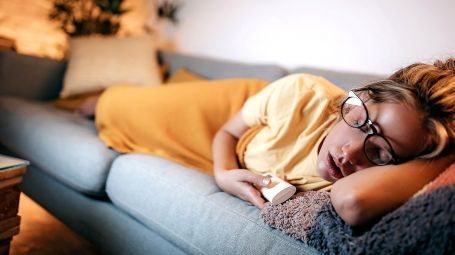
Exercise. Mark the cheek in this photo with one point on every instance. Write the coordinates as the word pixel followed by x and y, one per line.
pixel 339 134
pixel 330 143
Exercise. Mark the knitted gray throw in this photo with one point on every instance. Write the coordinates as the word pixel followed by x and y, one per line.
pixel 423 225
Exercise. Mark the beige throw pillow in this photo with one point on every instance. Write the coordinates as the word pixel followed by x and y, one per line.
pixel 96 63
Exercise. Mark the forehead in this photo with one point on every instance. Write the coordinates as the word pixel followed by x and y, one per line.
pixel 401 125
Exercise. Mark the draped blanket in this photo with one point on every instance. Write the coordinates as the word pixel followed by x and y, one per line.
pixel 423 225
pixel 177 122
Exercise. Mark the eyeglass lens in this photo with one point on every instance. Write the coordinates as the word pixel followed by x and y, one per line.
pixel 377 150
pixel 353 112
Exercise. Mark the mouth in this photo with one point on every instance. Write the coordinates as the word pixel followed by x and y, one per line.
pixel 333 170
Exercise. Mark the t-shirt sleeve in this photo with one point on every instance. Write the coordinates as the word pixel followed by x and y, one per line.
pixel 272 102
pixel 254 110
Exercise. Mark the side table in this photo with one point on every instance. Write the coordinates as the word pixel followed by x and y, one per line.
pixel 11 172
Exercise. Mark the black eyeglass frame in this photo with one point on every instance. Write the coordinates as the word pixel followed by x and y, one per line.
pixel 369 123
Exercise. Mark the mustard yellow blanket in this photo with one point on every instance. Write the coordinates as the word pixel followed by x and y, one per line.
pixel 176 122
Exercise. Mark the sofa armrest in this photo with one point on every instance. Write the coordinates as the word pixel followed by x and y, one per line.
pixel 30 77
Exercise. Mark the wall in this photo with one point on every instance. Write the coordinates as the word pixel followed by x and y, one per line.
pixel 375 36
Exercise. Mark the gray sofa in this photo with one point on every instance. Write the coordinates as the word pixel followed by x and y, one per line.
pixel 132 203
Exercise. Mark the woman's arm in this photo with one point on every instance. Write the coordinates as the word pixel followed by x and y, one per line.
pixel 225 142
pixel 364 196
pixel 228 176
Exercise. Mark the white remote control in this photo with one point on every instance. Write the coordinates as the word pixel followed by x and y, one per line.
pixel 278 190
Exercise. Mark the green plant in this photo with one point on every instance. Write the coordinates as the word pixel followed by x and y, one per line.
pixel 86 17
pixel 167 9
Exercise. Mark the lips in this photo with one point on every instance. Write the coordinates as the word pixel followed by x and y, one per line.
pixel 333 169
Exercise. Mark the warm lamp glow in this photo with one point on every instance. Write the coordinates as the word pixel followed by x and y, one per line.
pixel 27 22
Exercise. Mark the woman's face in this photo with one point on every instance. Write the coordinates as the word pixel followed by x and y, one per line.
pixel 342 153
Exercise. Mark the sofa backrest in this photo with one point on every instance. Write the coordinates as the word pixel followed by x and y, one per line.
pixel 345 80
pixel 42 78
pixel 221 69
pixel 30 77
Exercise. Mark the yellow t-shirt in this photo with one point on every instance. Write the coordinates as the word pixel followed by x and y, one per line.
pixel 296 113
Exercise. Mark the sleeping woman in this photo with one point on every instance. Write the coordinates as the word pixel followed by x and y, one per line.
pixel 373 147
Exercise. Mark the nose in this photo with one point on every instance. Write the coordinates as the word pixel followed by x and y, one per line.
pixel 352 155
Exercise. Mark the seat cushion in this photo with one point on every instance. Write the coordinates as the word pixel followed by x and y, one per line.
pixel 62 144
pixel 187 207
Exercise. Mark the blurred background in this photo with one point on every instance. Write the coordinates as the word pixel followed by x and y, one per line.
pixel 376 36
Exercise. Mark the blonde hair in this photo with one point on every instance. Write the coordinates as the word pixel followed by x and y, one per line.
pixel 428 88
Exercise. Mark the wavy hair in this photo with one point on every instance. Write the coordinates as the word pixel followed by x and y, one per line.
pixel 428 88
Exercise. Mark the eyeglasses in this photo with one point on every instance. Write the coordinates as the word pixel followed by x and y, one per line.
pixel 376 147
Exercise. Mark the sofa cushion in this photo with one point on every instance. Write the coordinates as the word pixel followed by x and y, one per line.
pixel 345 80
pixel 30 77
pixel 63 144
pixel 220 69
pixel 187 207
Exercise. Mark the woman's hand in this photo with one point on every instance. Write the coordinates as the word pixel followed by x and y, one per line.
pixel 241 182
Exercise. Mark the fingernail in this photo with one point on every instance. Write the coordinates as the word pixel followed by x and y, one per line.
pixel 266 180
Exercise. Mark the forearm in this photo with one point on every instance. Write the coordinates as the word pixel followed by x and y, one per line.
pixel 228 176
pixel 224 156
pixel 364 196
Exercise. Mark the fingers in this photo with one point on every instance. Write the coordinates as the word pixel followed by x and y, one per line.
pixel 241 183
pixel 254 196
pixel 256 179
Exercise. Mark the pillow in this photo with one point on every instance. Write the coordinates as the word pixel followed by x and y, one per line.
pixel 96 63
pixel 446 178
pixel 184 75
